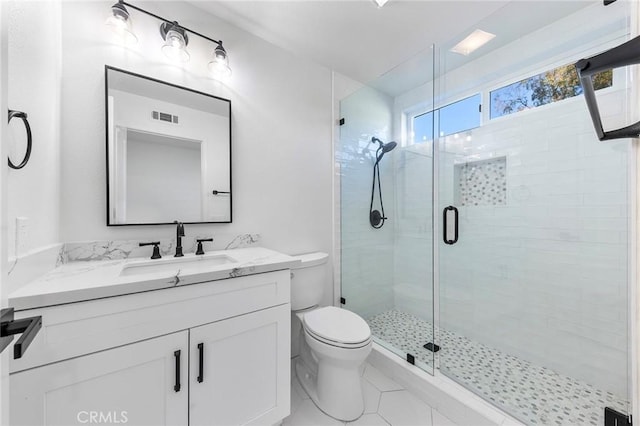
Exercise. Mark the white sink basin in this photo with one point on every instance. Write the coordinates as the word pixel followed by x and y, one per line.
pixel 187 264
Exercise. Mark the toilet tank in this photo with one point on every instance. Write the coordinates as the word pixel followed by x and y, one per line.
pixel 308 280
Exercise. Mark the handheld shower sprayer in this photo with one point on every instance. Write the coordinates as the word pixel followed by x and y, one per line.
pixel 377 218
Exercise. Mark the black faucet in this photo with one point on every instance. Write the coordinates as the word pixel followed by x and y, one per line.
pixel 179 235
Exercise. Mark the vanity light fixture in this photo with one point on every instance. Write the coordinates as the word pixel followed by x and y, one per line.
pixel 119 22
pixel 175 36
pixel 380 3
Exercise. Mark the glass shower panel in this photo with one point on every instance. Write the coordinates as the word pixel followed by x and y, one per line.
pixel 386 271
pixel 533 297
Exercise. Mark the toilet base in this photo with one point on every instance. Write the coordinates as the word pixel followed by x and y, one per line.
pixel 344 406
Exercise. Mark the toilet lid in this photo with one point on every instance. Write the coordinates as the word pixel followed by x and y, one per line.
pixel 337 325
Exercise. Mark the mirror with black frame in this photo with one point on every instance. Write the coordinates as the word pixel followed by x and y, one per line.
pixel 168 152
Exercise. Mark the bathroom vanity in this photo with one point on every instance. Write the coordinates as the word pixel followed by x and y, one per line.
pixel 198 342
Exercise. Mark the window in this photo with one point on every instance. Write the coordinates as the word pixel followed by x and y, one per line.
pixel 460 116
pixel 423 127
pixel 542 89
pixel 453 118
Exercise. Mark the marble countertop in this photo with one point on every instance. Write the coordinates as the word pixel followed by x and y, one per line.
pixel 81 281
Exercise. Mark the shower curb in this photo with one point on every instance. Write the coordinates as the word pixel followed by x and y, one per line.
pixel 443 394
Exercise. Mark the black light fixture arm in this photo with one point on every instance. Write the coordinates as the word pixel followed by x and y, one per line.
pixel 218 42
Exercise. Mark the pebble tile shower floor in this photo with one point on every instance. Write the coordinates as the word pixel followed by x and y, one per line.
pixel 533 394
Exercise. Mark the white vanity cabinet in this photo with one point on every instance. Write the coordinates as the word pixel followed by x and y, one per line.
pixel 133 384
pixel 240 370
pixel 116 358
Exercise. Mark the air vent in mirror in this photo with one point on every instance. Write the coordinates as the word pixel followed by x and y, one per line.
pixel 163 116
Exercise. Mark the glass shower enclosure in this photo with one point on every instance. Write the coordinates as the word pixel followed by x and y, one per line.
pixel 387 268
pixel 503 262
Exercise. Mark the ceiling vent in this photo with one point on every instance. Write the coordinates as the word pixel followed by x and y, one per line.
pixel 163 116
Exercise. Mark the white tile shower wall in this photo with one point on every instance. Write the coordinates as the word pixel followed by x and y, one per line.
pixel 281 126
pixel 367 253
pixel 545 276
pixel 34 73
pixel 413 244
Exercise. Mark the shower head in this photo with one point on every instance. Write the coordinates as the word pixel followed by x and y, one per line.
pixel 383 148
pixel 388 146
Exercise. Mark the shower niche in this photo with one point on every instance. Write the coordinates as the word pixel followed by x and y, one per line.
pixel 481 183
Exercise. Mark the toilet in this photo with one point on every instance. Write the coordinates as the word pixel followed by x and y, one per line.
pixel 333 343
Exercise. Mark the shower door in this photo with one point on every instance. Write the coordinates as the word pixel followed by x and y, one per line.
pixel 534 232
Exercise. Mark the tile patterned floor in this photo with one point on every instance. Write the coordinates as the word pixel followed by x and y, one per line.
pixel 533 394
pixel 386 404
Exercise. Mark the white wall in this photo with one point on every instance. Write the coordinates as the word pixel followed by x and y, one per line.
pixel 635 294
pixel 281 127
pixel 4 360
pixel 34 77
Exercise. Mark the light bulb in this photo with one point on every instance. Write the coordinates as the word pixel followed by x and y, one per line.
pixel 219 66
pixel 120 24
pixel 175 46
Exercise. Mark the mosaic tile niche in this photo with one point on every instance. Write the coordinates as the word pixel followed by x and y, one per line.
pixel 481 183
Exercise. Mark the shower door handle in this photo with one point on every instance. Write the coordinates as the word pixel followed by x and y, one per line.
pixel 445 216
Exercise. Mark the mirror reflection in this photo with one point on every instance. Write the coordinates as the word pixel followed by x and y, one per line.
pixel 168 152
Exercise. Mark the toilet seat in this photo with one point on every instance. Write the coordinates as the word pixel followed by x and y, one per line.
pixel 337 327
pixel 338 344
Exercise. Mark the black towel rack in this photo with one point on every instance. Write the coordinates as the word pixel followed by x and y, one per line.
pixel 23 116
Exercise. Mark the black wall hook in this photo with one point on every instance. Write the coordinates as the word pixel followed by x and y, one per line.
pixel 23 116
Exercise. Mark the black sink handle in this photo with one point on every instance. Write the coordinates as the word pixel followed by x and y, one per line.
pixel 200 250
pixel 156 249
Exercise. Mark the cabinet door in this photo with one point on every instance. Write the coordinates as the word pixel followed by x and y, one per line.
pixel 245 369
pixel 133 384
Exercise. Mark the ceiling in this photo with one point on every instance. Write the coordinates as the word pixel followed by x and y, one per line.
pixel 388 47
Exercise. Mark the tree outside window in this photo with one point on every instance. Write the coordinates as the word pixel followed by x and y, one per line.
pixel 542 89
